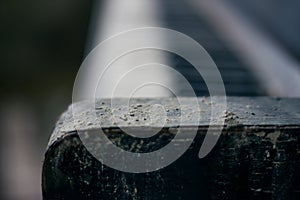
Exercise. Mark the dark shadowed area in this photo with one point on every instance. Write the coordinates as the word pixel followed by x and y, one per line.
pixel 42 44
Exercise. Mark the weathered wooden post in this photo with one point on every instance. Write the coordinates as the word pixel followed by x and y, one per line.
pixel 257 156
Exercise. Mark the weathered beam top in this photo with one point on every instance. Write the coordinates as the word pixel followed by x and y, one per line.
pixel 255 157
pixel 241 111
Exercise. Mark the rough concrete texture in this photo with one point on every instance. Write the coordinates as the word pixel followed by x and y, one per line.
pixel 256 157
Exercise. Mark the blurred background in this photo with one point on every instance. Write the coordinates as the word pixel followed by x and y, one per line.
pixel 42 44
pixel 41 49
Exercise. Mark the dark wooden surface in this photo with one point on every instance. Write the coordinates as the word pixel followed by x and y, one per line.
pixel 256 157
